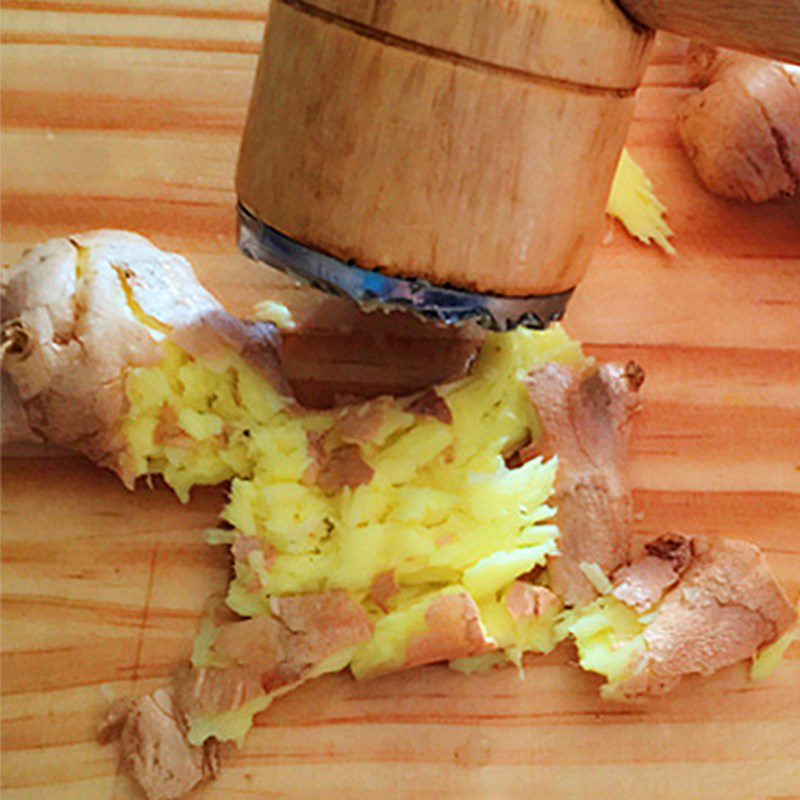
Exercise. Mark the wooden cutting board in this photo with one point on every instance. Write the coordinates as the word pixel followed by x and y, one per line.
pixel 127 113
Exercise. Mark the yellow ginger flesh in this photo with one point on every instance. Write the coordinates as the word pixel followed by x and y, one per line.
pixel 441 513
pixel 634 203
pixel 608 635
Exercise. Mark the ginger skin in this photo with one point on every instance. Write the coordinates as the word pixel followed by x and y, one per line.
pixel 742 131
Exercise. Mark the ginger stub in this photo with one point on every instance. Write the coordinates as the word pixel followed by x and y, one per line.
pixel 742 130
pixel 475 522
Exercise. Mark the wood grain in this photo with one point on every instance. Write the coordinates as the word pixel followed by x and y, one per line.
pixel 524 36
pixel 127 113
pixel 766 27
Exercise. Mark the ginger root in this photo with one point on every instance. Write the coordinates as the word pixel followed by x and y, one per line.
pixel 687 605
pixel 742 131
pixel 80 313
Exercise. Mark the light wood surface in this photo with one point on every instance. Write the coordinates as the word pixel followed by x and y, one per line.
pixel 526 36
pixel 434 150
pixel 767 27
pixel 127 113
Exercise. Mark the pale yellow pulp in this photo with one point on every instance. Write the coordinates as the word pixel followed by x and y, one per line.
pixel 442 512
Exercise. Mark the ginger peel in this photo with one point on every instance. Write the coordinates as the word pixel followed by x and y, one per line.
pixel 742 130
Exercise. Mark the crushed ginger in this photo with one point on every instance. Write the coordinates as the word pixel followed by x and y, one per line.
pixel 431 510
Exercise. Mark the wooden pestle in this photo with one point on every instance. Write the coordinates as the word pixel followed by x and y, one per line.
pixel 465 142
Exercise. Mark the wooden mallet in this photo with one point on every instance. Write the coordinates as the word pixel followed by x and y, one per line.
pixel 454 157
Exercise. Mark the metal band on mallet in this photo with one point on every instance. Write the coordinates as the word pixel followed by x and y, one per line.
pixel 372 289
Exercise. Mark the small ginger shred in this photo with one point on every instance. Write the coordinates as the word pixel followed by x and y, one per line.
pixel 766 661
pixel 276 313
pixel 633 202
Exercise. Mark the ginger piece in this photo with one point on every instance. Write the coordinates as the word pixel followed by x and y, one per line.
pixel 344 466
pixel 161 735
pixel 429 404
pixel 641 584
pixel 742 131
pixel 725 607
pixel 154 749
pixel 453 629
pixel 586 418
pixel 526 601
pixel 266 653
pixel 714 606
pixel 78 313
pixel 634 203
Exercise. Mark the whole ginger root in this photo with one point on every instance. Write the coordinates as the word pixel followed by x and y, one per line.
pixel 742 131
